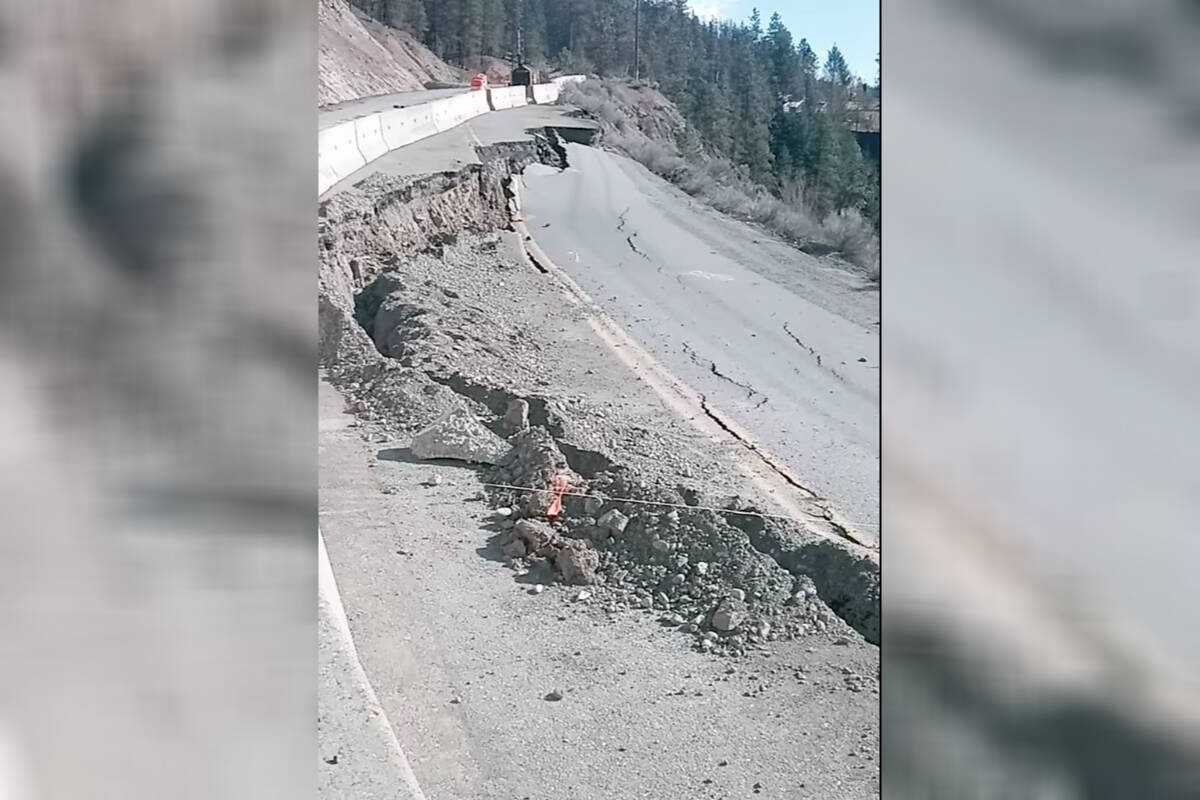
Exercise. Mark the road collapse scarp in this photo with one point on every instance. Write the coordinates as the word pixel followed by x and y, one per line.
pixel 429 310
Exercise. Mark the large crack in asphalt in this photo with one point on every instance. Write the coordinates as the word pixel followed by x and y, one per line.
pixel 634 247
pixel 801 344
pixel 831 370
pixel 712 368
pixel 782 472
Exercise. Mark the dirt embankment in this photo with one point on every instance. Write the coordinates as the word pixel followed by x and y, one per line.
pixel 359 57
pixel 428 307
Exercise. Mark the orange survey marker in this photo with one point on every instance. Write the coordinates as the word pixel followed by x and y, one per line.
pixel 559 485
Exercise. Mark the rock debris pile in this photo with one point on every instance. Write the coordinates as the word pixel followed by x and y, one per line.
pixel 697 570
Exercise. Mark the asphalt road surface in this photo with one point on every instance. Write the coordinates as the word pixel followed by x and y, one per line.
pixel 784 344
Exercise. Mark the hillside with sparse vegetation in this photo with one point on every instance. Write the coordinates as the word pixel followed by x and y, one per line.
pixel 358 56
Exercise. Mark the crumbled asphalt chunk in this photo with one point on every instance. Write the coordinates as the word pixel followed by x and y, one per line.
pixel 460 436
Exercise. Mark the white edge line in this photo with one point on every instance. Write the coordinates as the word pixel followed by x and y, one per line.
pixel 328 592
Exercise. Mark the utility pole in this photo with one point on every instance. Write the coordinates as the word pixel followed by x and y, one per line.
pixel 520 54
pixel 637 39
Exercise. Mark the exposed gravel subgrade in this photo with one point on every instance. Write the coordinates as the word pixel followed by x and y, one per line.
pixel 846 581
pixel 541 410
pixel 688 562
pixel 426 307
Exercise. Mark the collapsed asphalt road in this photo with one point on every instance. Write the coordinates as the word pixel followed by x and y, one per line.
pixel 784 344
pixel 496 689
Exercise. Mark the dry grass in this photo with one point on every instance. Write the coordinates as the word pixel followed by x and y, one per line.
pixel 855 239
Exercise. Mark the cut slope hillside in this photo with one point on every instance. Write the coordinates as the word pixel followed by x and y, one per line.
pixel 360 57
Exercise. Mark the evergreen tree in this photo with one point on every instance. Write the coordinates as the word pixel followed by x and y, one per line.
pixel 837 72
pixel 494 29
pixel 785 63
pixel 808 71
pixel 755 104
pixel 416 19
pixel 533 31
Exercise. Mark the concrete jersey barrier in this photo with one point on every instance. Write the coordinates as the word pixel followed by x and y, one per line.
pixel 369 134
pixel 453 111
pixel 338 155
pixel 345 148
pixel 402 126
pixel 545 93
pixel 520 95
pixel 498 99
pixel 504 97
pixel 478 102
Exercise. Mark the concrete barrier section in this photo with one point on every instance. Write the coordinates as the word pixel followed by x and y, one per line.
pixel 499 99
pixel 338 155
pixel 545 93
pixel 447 113
pixel 402 126
pixel 504 97
pixel 442 112
pixel 477 102
pixel 369 134
pixel 454 111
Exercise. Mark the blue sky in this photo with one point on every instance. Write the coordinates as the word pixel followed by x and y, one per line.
pixel 852 24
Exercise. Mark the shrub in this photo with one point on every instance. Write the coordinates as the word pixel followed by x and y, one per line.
pixel 855 238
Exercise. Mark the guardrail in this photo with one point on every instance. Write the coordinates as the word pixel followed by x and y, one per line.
pixel 345 148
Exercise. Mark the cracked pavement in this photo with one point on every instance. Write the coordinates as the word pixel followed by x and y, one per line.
pixel 781 343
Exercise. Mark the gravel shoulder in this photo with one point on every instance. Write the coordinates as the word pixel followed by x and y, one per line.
pixel 461 657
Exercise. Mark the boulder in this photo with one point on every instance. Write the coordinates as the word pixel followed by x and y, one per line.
pixel 614 522
pixel 728 616
pixel 576 562
pixel 535 534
